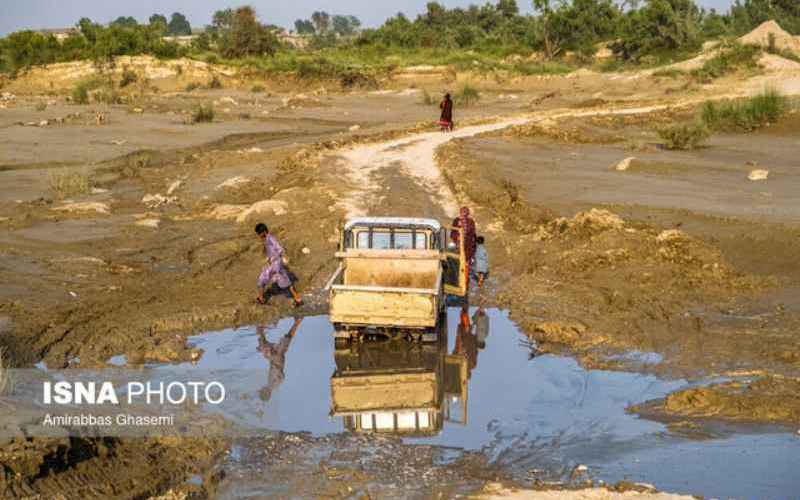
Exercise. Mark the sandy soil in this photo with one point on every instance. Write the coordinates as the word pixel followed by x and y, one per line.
pixel 149 256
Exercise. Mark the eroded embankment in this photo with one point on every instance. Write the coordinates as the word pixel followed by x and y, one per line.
pixel 597 285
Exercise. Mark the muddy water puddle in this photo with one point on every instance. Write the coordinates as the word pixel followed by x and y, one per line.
pixel 482 389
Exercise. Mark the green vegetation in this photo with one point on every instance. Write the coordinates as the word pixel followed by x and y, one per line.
pixel 684 135
pixel 467 95
pixel 257 89
pixel 203 114
pixel 731 57
pixel 128 77
pixel 493 38
pixel 64 184
pixel 669 73
pixel 747 114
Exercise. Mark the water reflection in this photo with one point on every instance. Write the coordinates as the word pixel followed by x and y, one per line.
pixel 409 389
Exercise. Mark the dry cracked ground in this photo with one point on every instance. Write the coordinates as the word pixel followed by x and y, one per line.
pixel 124 228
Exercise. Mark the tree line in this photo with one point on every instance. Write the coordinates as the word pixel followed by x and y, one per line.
pixel 634 29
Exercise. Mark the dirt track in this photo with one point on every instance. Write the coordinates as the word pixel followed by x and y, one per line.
pixel 87 285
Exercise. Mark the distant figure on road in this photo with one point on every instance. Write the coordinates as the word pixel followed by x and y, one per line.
pixel 274 273
pixel 467 225
pixel 446 118
pixel 275 353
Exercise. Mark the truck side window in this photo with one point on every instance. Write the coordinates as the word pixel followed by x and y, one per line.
pixel 381 240
pixel 403 241
pixel 421 242
pixel 363 239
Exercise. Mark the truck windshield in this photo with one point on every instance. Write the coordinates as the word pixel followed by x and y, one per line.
pixel 386 239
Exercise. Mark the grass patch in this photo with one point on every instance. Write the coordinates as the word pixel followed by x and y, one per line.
pixel 467 95
pixel 203 114
pixel 128 77
pixel 80 94
pixel 541 68
pixel 748 114
pixel 731 57
pixel 684 135
pixel 65 184
pixel 257 89
pixel 669 73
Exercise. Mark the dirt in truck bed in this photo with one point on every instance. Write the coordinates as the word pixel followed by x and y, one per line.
pixel 130 242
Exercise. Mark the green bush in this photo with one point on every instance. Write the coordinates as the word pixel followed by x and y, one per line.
pixel 669 73
pixel 684 135
pixel 64 184
pixel 128 77
pixel 748 114
pixel 731 57
pixel 80 93
pixel 203 114
pixel 467 95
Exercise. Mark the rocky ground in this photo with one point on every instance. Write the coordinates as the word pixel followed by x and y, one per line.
pixel 677 253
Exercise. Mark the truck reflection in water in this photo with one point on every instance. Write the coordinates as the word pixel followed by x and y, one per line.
pixel 404 388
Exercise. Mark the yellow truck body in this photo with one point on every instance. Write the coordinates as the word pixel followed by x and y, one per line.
pixel 394 273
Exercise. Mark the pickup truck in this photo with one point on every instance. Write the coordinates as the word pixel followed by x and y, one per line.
pixel 393 277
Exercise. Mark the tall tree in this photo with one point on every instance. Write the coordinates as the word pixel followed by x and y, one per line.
pixel 125 22
pixel 247 37
pixel 322 22
pixel 304 27
pixel 179 25
pixel 345 25
pixel 508 8
pixel 159 23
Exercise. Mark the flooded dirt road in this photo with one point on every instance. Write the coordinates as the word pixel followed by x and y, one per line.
pixel 528 417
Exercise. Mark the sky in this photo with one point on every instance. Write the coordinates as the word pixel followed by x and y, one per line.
pixel 37 14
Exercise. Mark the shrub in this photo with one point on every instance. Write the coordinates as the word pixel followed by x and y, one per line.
pixel 135 162
pixel 748 114
pixel 215 83
pixel 203 114
pixel 128 77
pixel 192 87
pixel 80 94
pixel 669 73
pixel 684 135
pixel 730 58
pixel 467 95
pixel 64 184
pixel 257 89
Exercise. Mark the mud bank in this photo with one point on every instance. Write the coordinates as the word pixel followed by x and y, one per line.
pixel 691 285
